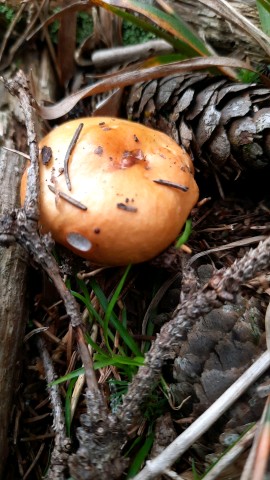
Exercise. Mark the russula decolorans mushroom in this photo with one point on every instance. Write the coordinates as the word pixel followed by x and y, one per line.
pixel 113 191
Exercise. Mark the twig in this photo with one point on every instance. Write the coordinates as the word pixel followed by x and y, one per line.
pixel 13 150
pixel 23 36
pixel 10 29
pixel 68 153
pixel 111 56
pixel 78 387
pixel 173 475
pixel 19 87
pixel 62 443
pixel 33 464
pixel 258 457
pixel 167 183
pixel 238 243
pixel 267 326
pixel 68 199
pixel 230 457
pixel 172 453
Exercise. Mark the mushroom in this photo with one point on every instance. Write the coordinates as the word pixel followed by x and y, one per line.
pixel 113 191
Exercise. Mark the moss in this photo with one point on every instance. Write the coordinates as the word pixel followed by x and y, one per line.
pixel 84 26
pixel 133 34
pixel 53 31
pixel 7 12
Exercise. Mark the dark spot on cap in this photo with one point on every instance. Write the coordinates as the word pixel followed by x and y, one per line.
pixel 135 138
pixel 130 158
pixel 46 155
pixel 96 230
pixel 104 127
pixel 98 150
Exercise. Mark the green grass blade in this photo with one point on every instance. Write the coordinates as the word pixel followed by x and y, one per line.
pixel 169 27
pixel 75 374
pixel 85 298
pixel 141 456
pixel 117 361
pixel 263 7
pixel 102 361
pixel 68 406
pixel 163 59
pixel 134 444
pixel 185 235
pixel 169 24
pixel 126 337
pixel 112 302
pixel 87 302
pixel 94 345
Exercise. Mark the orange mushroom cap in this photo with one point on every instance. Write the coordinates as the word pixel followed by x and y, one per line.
pixel 135 187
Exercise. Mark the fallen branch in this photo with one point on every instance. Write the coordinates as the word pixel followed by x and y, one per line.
pixel 62 444
pixel 21 226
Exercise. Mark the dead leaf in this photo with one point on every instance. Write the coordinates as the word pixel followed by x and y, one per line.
pixel 130 78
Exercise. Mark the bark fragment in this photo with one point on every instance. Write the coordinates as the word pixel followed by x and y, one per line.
pixel 13 269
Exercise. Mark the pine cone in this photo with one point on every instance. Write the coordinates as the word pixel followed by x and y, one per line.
pixel 224 125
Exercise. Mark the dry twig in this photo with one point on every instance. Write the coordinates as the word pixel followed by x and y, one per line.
pixel 21 226
pixel 62 443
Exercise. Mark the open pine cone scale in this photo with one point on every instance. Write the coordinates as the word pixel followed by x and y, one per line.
pixel 225 125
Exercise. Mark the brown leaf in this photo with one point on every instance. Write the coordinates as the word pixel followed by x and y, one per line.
pixel 130 78
pixel 67 45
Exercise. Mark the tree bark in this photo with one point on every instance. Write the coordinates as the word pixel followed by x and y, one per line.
pixel 226 38
pixel 13 269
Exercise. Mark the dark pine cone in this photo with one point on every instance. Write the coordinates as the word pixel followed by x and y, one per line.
pixel 225 125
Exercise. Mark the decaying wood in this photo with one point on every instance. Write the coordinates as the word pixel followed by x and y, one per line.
pixel 13 269
pixel 224 37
